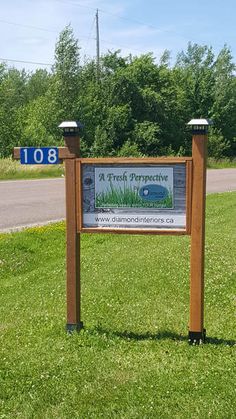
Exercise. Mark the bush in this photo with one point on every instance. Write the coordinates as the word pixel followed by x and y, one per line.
pixel 217 145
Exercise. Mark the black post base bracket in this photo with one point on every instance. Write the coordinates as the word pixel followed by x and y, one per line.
pixel 197 338
pixel 70 328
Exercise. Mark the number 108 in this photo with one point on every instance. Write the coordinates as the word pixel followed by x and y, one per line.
pixel 43 155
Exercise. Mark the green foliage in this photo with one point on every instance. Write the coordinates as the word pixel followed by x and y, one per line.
pixel 146 136
pixel 37 118
pixel 224 104
pixel 137 107
pixel 225 163
pixel 38 84
pixel 217 145
pixel 66 55
pixel 12 98
pixel 65 87
pixel 129 149
pixel 103 145
pixel 197 75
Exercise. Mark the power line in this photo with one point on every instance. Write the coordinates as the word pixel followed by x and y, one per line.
pixel 102 11
pixel 76 4
pixel 50 64
pixel 28 26
pixel 138 22
pixel 24 62
pixel 109 13
pixel 122 46
pixel 55 31
pixel 81 36
pixel 90 33
pixel 41 29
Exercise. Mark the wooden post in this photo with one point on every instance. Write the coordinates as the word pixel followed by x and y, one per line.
pixel 199 155
pixel 72 142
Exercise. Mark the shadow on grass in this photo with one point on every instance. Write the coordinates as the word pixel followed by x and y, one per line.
pixel 217 341
pixel 161 335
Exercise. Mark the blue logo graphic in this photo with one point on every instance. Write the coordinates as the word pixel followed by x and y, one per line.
pixel 153 192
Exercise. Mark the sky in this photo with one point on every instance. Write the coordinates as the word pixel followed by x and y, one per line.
pixel 29 29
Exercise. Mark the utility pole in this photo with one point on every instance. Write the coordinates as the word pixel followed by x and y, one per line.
pixel 97 46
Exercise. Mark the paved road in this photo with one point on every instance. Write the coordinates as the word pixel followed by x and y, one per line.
pixel 30 202
pixel 35 202
pixel 221 180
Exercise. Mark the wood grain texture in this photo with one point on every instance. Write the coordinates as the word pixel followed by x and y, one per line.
pixel 124 160
pixel 178 232
pixel 72 246
pixel 72 235
pixel 199 154
pixel 79 195
pixel 16 153
pixel 189 173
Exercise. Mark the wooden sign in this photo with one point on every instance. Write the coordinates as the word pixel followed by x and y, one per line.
pixel 139 196
pixel 144 196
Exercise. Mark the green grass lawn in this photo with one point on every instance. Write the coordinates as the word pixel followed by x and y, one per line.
pixel 12 169
pixel 132 360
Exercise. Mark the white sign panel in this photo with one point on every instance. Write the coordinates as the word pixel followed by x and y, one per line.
pixel 134 196
pixel 133 220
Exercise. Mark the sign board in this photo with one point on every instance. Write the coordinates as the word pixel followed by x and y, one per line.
pixel 140 196
pixel 145 195
pixel 42 155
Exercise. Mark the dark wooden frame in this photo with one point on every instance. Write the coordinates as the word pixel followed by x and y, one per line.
pixel 136 161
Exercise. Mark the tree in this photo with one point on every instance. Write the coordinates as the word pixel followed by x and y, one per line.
pixel 218 146
pixel 196 76
pixel 39 121
pixel 146 135
pixel 224 103
pixel 65 86
pixel 138 107
pixel 38 84
pixel 52 98
pixel 209 90
pixel 12 97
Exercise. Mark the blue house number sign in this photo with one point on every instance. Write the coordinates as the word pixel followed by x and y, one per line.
pixel 42 155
